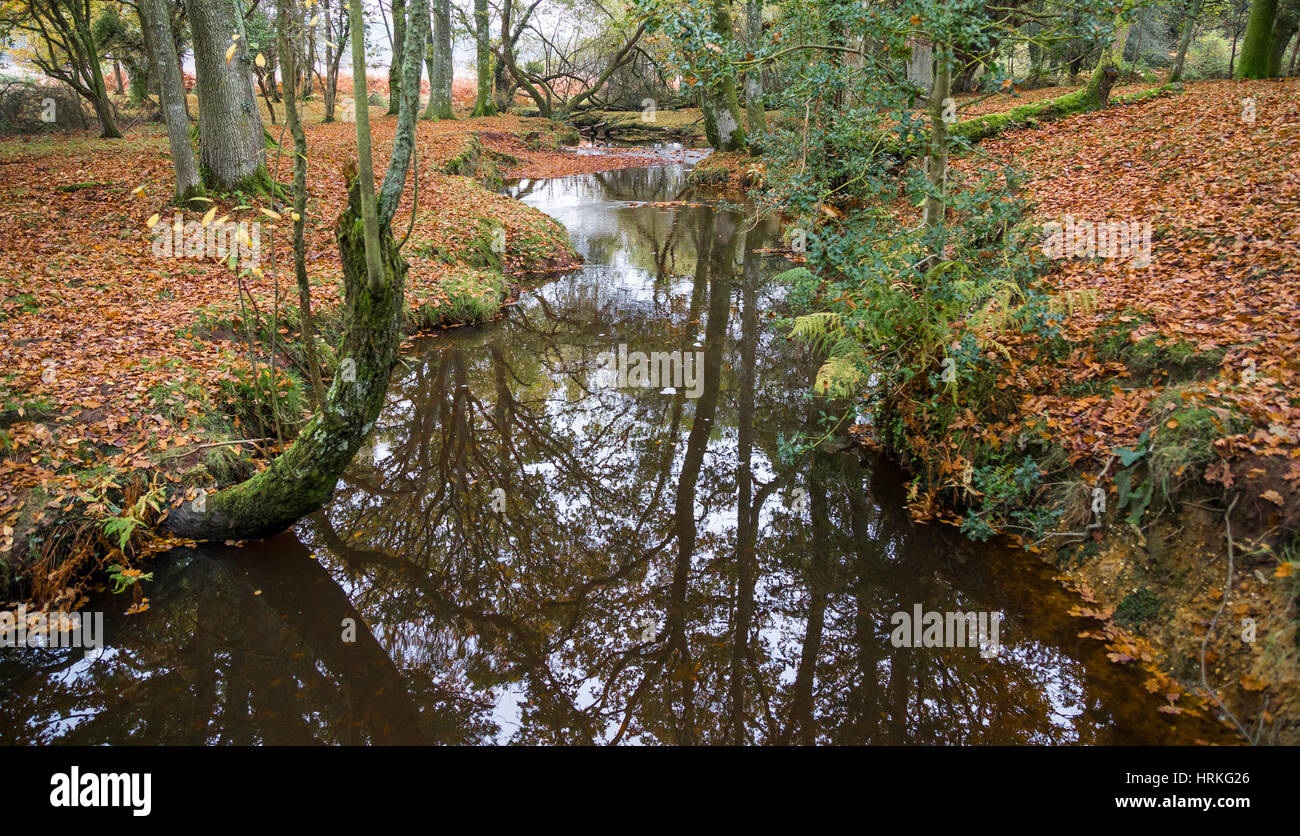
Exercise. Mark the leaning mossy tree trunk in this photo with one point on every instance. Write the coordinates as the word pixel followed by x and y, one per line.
pixel 302 479
pixel 1259 38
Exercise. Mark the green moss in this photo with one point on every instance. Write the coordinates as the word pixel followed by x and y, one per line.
pixel 467 296
pixel 1182 443
pixel 1136 608
pixel 26 304
pixel 465 163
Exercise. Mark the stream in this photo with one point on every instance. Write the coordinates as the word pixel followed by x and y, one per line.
pixel 547 540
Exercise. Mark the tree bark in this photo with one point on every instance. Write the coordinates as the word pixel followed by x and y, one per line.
pixel 287 25
pixel 337 32
pixel 722 115
pixel 1108 66
pixel 103 107
pixel 483 105
pixel 302 479
pixel 1255 46
pixel 1284 27
pixel 232 154
pixel 375 268
pixel 162 54
pixel 395 67
pixel 440 63
pixel 754 113
pixel 1189 26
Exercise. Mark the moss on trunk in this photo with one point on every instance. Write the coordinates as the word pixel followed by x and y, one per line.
pixel 302 479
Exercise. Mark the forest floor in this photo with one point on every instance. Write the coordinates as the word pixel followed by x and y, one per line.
pixel 127 371
pixel 1177 391
pixel 1172 387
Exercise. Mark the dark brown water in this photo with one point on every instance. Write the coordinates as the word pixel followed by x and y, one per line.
pixel 525 554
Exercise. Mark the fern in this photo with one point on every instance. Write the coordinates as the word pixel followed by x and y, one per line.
pixel 838 377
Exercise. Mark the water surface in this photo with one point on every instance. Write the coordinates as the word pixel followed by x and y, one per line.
pixel 524 552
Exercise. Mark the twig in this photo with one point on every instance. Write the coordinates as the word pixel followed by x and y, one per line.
pixel 197 447
pixel 1209 631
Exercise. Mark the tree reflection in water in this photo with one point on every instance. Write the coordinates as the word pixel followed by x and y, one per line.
pixel 650 579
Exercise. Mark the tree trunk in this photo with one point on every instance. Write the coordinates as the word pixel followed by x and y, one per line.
pixel 103 106
pixel 1232 59
pixel 232 153
pixel 483 105
pixel 302 479
pixel 1189 26
pixel 334 53
pixel 440 68
pixel 722 114
pixel 508 61
pixel 1286 24
pixel 153 20
pixel 936 161
pixel 1107 70
pixel 1258 40
pixel 287 26
pixel 755 116
pixel 395 67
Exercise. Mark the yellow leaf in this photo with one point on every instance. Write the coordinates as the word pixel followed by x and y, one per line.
pixel 138 191
pixel 230 53
pixel 207 219
pixel 153 220
pixel 272 215
pixel 259 60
